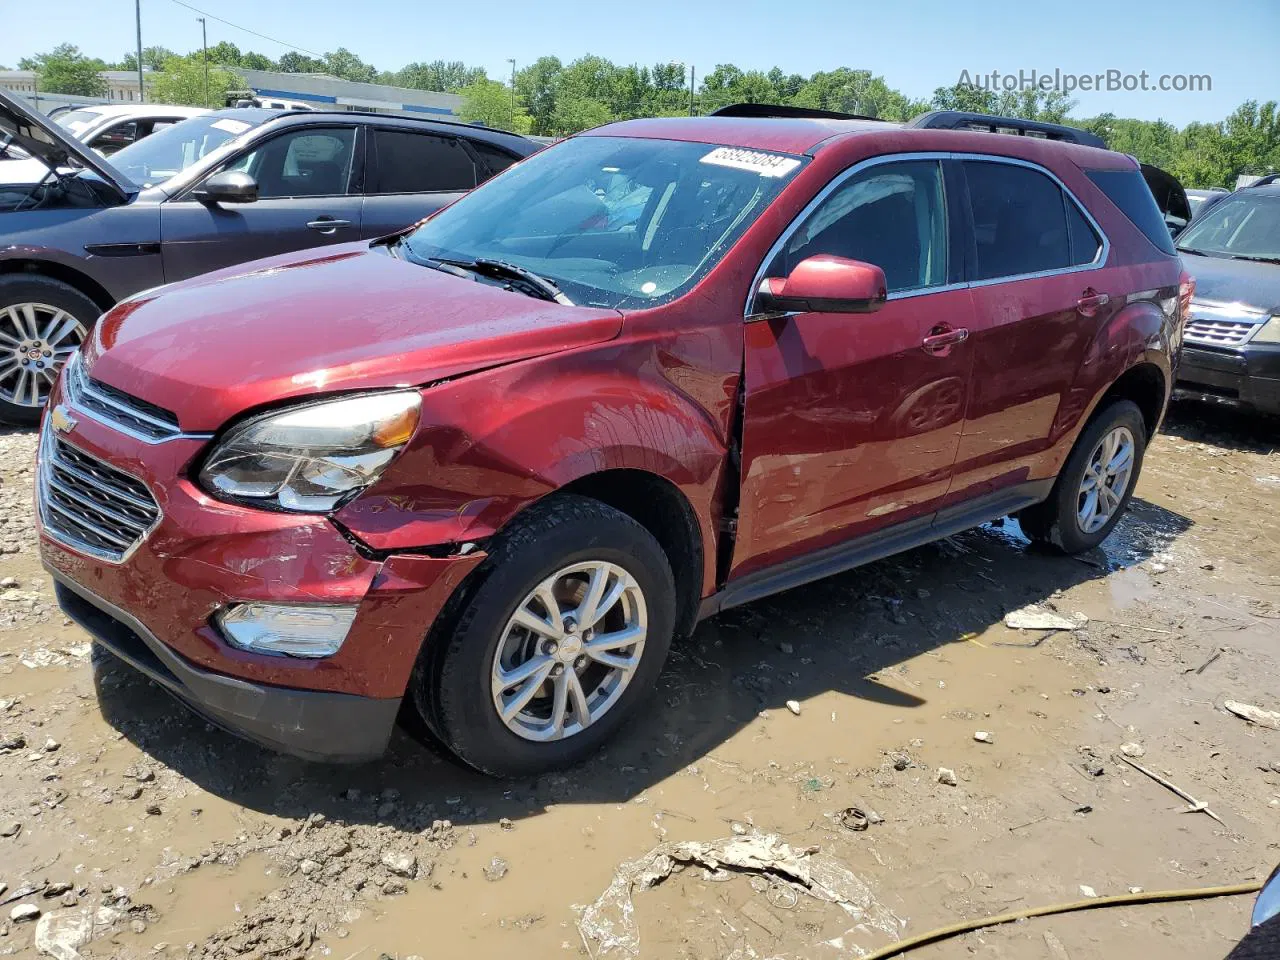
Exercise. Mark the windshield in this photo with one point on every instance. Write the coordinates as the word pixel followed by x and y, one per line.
pixel 169 151
pixel 78 121
pixel 1244 225
pixel 613 221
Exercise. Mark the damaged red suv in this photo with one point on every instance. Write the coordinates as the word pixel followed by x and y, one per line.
pixel 488 468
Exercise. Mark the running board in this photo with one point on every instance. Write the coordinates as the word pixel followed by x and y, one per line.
pixel 875 546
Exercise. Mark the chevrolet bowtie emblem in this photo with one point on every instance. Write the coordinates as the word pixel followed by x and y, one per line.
pixel 62 420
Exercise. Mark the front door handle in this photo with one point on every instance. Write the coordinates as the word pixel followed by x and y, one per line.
pixel 1089 304
pixel 942 338
pixel 327 225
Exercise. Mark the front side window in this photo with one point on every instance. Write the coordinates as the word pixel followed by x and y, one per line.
pixel 1245 225
pixel 891 214
pixel 417 163
pixel 1023 222
pixel 613 221
pixel 302 163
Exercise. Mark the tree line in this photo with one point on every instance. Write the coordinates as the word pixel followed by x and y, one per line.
pixel 552 98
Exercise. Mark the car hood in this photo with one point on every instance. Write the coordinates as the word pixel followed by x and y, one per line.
pixel 352 318
pixel 1250 283
pixel 53 146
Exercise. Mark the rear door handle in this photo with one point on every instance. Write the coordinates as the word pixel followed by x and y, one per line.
pixel 942 338
pixel 1089 304
pixel 327 224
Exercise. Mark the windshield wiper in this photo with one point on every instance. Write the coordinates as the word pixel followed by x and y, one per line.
pixel 532 283
pixel 1245 256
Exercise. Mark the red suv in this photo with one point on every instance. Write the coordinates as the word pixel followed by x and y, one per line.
pixel 489 467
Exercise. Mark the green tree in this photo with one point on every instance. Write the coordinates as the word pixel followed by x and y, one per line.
pixel 182 82
pixel 64 69
pixel 153 58
pixel 344 64
pixel 294 62
pixel 853 91
pixel 489 102
pixel 225 53
pixel 537 85
pixel 578 113
pixel 436 76
pixel 257 61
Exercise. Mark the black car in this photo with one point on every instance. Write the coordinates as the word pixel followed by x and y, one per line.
pixel 1231 344
pixel 79 232
pixel 1203 200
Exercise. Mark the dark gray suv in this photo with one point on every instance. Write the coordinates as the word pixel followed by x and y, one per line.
pixel 83 232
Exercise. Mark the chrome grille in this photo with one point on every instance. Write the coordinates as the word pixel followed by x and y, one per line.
pixel 116 407
pixel 89 505
pixel 1217 333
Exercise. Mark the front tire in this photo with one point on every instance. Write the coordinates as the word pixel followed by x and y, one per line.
pixel 552 644
pixel 1095 485
pixel 42 322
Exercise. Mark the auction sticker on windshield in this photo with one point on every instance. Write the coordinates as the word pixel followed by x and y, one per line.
pixel 231 126
pixel 765 164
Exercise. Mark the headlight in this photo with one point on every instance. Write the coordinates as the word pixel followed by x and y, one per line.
pixel 309 459
pixel 1270 332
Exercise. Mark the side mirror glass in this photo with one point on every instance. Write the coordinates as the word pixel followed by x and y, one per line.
pixel 825 284
pixel 1268 902
pixel 228 186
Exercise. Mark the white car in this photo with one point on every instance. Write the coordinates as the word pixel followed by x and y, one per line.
pixel 106 128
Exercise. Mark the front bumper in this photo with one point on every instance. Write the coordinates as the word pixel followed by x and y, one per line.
pixel 155 607
pixel 1249 376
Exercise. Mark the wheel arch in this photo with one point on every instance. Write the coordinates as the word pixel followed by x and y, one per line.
pixel 72 277
pixel 1145 385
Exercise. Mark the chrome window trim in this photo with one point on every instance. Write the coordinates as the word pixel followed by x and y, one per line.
pixel 1099 260
pixel 43 477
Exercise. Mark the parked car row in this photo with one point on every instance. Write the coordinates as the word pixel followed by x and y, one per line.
pixel 79 231
pixel 482 468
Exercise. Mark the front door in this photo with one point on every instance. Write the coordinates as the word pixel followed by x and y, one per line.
pixel 305 199
pixel 852 421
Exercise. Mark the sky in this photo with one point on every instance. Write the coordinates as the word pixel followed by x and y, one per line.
pixel 916 45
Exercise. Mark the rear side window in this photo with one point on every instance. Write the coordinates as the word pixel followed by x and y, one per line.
pixel 1020 221
pixel 417 163
pixel 1128 190
pixel 1085 244
pixel 496 159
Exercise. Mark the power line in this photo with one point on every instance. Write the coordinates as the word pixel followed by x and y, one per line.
pixel 255 33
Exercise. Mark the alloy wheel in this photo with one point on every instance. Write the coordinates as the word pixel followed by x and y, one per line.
pixel 1106 480
pixel 35 341
pixel 569 651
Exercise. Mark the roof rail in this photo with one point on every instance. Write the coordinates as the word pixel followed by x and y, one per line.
pixel 962 120
pixel 776 110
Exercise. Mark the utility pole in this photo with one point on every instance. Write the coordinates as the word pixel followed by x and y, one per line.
pixel 691 71
pixel 142 90
pixel 512 61
pixel 204 43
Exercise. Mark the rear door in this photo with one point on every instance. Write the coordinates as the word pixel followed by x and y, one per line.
pixel 412 174
pixel 852 420
pixel 1040 289
pixel 308 196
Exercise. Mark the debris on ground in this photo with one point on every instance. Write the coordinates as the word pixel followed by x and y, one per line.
pixel 495 869
pixel 610 923
pixel 1088 891
pixel 947 776
pixel 851 818
pixel 1196 806
pixel 794 706
pixel 982 736
pixel 1134 751
pixel 1263 718
pixel 1036 617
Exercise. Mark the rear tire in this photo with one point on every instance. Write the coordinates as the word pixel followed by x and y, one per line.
pixel 42 321
pixel 1064 522
pixel 480 641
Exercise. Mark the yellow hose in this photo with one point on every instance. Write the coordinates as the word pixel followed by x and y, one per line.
pixel 1158 896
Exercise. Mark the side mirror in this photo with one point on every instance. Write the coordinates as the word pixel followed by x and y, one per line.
pixel 825 284
pixel 229 186
pixel 1268 902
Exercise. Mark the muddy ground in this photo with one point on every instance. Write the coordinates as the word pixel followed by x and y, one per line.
pixel 198 845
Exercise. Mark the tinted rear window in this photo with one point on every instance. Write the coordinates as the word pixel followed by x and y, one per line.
pixel 497 158
pixel 1128 190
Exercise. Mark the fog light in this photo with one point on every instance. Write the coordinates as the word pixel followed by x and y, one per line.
pixel 295 631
